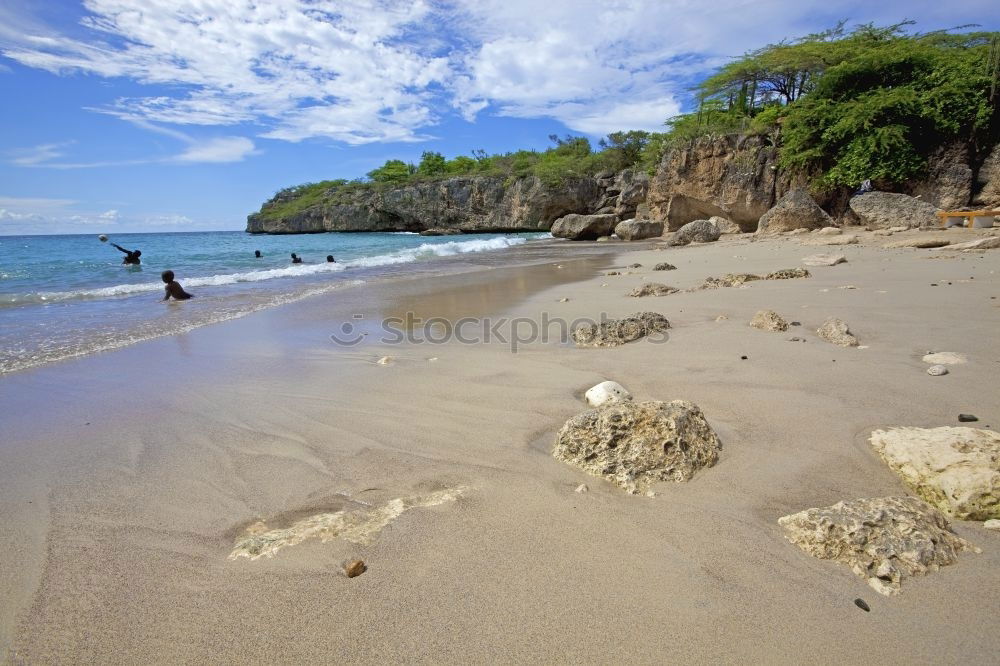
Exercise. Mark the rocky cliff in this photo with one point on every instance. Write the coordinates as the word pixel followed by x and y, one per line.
pixel 470 204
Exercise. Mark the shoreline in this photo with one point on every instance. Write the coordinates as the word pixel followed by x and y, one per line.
pixel 193 438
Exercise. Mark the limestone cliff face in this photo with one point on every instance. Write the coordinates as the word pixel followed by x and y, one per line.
pixel 469 204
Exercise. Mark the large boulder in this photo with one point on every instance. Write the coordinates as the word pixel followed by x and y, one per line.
pixel 631 230
pixel 882 210
pixel 884 540
pixel 795 210
pixel 699 231
pixel 636 444
pixel 615 332
pixel 987 186
pixel 955 469
pixel 725 225
pixel 583 227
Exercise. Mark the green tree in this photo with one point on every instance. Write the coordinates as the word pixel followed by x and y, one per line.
pixel 431 164
pixel 393 171
pixel 623 150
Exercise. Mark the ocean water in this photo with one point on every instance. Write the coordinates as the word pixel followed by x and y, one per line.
pixel 64 296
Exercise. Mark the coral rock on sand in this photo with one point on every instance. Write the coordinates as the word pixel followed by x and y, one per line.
pixel 583 227
pixel 795 210
pixel 956 469
pixel 606 392
pixel 919 242
pixel 945 358
pixel 992 524
pixel 824 259
pixel 768 320
pixel 635 444
pixel 787 274
pixel 653 289
pixel 937 370
pixel 829 231
pixel 615 332
pixel 884 210
pixel 664 267
pixel 699 231
pixel 631 230
pixel 836 331
pixel 884 540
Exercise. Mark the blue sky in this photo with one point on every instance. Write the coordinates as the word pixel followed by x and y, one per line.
pixel 180 115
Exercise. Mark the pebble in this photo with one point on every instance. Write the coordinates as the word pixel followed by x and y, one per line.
pixel 937 370
pixel 385 360
pixel 635 265
pixel 967 418
pixel 743 358
pixel 860 603
pixel 796 339
pixel 354 568
pixel 582 488
pixel 564 300
pixel 721 318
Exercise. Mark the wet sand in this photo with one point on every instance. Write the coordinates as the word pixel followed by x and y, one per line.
pixel 129 478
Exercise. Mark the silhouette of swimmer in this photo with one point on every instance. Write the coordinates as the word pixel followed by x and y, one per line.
pixel 131 256
pixel 296 259
pixel 173 287
pixel 257 254
pixel 330 259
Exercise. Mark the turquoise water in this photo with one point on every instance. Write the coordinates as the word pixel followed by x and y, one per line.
pixel 63 296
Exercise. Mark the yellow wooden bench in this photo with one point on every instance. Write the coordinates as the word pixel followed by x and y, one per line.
pixel 969 215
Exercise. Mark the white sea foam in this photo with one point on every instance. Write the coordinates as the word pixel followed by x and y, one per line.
pixel 424 251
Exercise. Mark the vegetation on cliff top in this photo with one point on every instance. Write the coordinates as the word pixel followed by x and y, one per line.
pixel 874 103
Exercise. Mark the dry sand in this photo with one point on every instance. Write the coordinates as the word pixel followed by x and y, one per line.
pixel 128 478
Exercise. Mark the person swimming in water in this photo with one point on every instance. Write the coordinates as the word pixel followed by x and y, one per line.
pixel 296 259
pixel 330 259
pixel 131 256
pixel 257 254
pixel 173 287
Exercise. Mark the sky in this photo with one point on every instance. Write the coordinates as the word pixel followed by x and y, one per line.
pixel 185 115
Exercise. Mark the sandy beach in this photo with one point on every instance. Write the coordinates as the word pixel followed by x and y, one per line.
pixel 129 479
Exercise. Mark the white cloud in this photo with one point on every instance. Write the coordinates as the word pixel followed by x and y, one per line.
pixel 221 149
pixel 39 154
pixel 386 70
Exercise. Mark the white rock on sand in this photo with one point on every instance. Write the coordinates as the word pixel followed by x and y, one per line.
pixel 385 360
pixel 989 243
pixel 945 358
pixel 824 259
pixel 992 524
pixel 829 231
pixel 956 469
pixel 937 370
pixel 845 239
pixel 636 444
pixel 919 242
pixel 884 540
pixel 837 332
pixel 606 392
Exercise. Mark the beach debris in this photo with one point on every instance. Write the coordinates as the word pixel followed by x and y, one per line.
pixel 632 230
pixel 606 392
pixel 359 526
pixel 721 318
pixel 836 331
pixel 699 231
pixel 897 230
pixel 652 289
pixel 355 568
pixel 954 468
pixel 635 444
pixel 604 239
pixel 582 488
pixel 664 266
pixel 768 320
pixel 846 239
pixel 609 273
pixel 992 524
pixel 564 300
pixel 860 603
pixel 967 418
pixel 824 259
pixel 796 210
pixel 847 286
pixel 919 242
pixel 796 339
pixel 829 231
pixel 385 360
pixel 615 332
pixel 937 370
pixel 635 265
pixel 945 358
pixel 743 358
pixel 884 540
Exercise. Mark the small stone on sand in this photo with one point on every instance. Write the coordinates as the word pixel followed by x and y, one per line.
pixel 967 418
pixel 937 370
pixel 385 360
pixel 582 488
pixel 354 568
